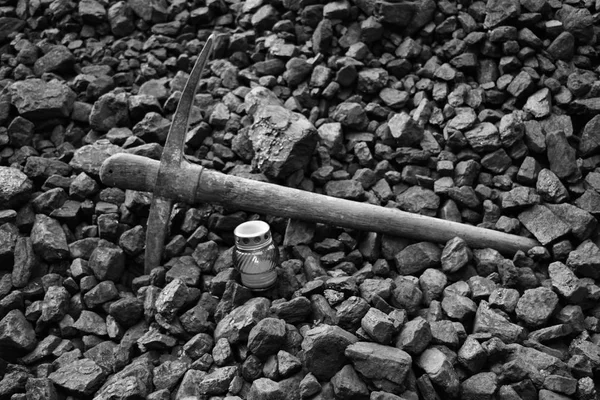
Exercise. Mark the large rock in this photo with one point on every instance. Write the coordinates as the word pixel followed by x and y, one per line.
pixel 543 224
pixel 501 11
pixel 440 370
pixel 418 257
pixel 92 12
pixel 590 139
pixel 107 263
pixel 10 25
pixel 133 381
pixel 150 10
pixel 585 260
pixel 348 385
pixel 283 141
pixel 489 321
pixel 539 104
pixel 81 377
pixel 562 157
pixel 324 348
pixel 37 100
pixel 58 59
pixel 218 381
pixel 578 21
pixel 9 236
pixel 537 360
pixel 266 389
pixel 405 130
pixel 535 306
pixel 481 386
pixel 48 239
pixel 237 324
pixel 267 337
pixel 387 367
pixel 120 18
pixel 419 200
pixel 410 15
pixel 110 111
pixel 582 223
pixel 15 188
pixel 56 304
pixel 17 336
pixel 258 98
pixel 89 158
pixel 484 137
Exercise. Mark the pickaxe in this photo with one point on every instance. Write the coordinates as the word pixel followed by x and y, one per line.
pixel 175 179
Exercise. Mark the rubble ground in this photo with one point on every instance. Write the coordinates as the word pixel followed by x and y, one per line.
pixel 484 112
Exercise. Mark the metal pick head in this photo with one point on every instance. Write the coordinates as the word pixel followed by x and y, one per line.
pixel 170 163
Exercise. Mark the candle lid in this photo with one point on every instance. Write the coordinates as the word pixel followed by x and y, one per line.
pixel 252 234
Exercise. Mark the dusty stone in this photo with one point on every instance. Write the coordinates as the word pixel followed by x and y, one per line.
pixel 89 158
pixel 566 283
pixel 456 254
pixel 16 333
pixel 109 111
pixel 324 348
pixel 405 130
pixel 107 263
pixel 439 369
pixel 488 321
pixel 385 366
pixel 15 187
pixel 81 377
pixel 37 100
pixel 237 324
pixel 536 305
pixel 561 155
pixel 585 260
pixel 267 337
pixel 484 137
pixel 347 384
pixel 418 257
pixel 48 239
pixel 482 386
pixel 414 336
pixel 543 224
pixel 265 389
pixel 283 141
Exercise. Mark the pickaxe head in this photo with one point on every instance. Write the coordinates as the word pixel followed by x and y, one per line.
pixel 170 163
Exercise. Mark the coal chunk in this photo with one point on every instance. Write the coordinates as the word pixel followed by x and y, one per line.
pixel 386 367
pixel 418 257
pixel 37 100
pixel 16 334
pixel 48 239
pixel 82 377
pixel 283 141
pixel 536 306
pixel 15 187
pixel 324 348
pixel 543 224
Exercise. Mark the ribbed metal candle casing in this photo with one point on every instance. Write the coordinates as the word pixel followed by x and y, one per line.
pixel 255 255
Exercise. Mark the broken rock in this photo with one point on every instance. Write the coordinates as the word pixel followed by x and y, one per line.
pixel 324 348
pixel 37 100
pixel 15 188
pixel 386 367
pixel 283 141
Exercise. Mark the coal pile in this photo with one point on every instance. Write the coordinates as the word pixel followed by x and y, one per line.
pixel 481 112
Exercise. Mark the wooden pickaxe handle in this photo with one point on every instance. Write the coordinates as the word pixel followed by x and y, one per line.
pixel 193 184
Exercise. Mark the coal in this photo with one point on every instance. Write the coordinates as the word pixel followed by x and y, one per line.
pixel 37 100
pixel 483 113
